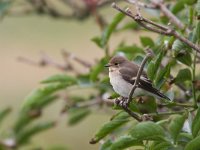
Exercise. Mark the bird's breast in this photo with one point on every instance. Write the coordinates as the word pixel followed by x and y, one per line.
pixel 119 85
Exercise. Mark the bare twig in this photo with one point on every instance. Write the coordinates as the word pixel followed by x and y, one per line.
pixel 169 15
pixel 131 113
pixel 152 26
pixel 67 55
pixel 47 61
pixel 139 73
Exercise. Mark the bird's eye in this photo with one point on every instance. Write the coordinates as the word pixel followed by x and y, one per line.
pixel 116 64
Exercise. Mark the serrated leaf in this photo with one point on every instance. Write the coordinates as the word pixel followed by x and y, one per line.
pixel 176 125
pixel 4 113
pixel 183 75
pixel 25 135
pixel 124 142
pixel 78 114
pixel 33 99
pixel 148 131
pixel 110 28
pixel 161 145
pixel 196 123
pixel 147 41
pixel 193 144
pixel 119 119
pixel 61 78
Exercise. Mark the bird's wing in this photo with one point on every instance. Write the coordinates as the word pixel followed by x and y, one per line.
pixel 144 83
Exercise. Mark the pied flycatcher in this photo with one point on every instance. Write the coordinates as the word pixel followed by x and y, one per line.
pixel 122 74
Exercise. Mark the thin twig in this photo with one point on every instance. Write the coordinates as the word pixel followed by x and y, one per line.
pixel 152 26
pixel 131 113
pixel 139 73
pixel 67 55
pixel 45 60
pixel 169 15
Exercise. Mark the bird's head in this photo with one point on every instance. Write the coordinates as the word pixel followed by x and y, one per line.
pixel 116 62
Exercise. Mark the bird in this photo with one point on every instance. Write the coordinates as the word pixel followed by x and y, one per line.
pixel 122 74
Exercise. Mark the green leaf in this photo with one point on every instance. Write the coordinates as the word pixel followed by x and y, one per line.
pixel 25 135
pixel 148 105
pixel 110 28
pixel 78 114
pixel 23 120
pixel 161 145
pixel 124 142
pixel 162 76
pixel 148 131
pixel 176 125
pixel 151 70
pixel 184 138
pixel 146 41
pixel 106 145
pixel 4 113
pixel 196 123
pixel 185 58
pixel 183 75
pixel 196 33
pixel 33 100
pixel 134 49
pixel 179 46
pixel 26 118
pixel 118 120
pixel 154 65
pixel 178 7
pixel 61 78
pixel 97 41
pixel 131 26
pixel 193 144
pixel 198 9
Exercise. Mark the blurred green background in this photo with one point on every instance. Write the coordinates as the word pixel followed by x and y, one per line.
pixel 29 36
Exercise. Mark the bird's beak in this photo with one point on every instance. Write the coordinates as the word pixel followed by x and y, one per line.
pixel 107 65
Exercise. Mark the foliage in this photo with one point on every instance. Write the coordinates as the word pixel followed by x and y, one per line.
pixel 175 125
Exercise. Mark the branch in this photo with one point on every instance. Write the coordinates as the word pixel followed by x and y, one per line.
pixel 47 61
pixel 169 15
pixel 152 26
pixel 139 73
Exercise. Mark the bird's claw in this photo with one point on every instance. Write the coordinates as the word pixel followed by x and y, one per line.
pixel 123 102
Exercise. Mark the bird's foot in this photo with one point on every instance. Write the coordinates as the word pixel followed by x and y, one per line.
pixel 123 102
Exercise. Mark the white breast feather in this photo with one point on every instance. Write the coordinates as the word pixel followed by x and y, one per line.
pixel 121 86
